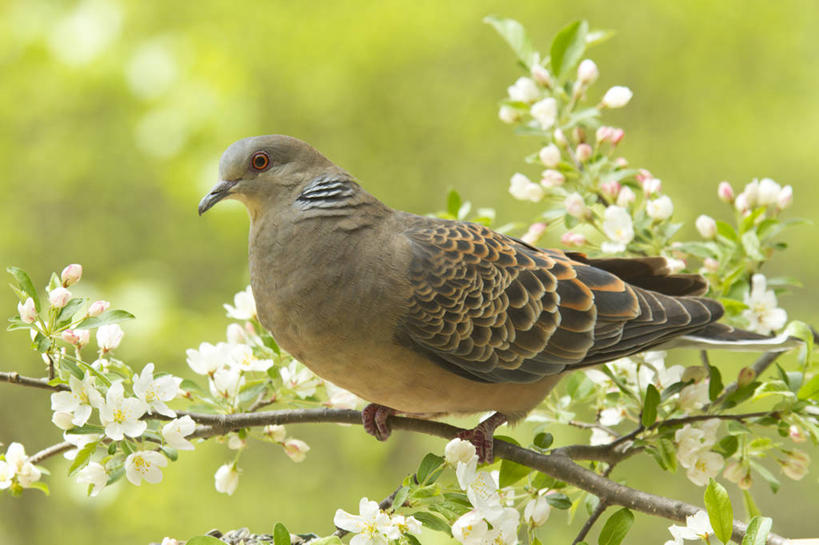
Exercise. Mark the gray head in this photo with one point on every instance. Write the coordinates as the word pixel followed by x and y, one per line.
pixel 264 169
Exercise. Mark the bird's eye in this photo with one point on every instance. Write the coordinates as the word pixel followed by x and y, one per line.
pixel 260 160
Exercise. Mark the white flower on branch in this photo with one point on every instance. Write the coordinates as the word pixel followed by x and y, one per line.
pixel 725 192
pixel 175 431
pixel 339 398
pixel 98 307
pixel 796 464
pixel 763 314
pixel 587 72
pixel 611 416
pixel 243 360
pixel 785 198
pixel 459 451
pixel 244 306
pixel 406 525
pixel 524 90
pixel 660 208
pixel 694 396
pixel 549 155
pixel 144 465
pixel 71 274
pixel 109 336
pixel 617 97
pixel 545 112
pixel 155 392
pixel 93 474
pixel 471 529
pixel 600 437
pixel 706 226
pixel 226 383
pixel 59 297
pixel 697 527
pixel 295 449
pixel 121 415
pixel 226 479
pixel 625 197
pixel 575 205
pixel 508 114
pixel 767 192
pixel 27 311
pixel 550 178
pixel 618 226
pixel 524 189
pixel 299 379
pixel 372 526
pixel 537 511
pixel 16 466
pixel 208 358
pixel 706 465
pixel 236 334
pixel 79 401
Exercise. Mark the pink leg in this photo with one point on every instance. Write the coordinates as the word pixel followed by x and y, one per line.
pixel 482 437
pixel 374 417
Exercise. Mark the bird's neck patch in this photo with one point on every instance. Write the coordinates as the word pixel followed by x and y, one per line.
pixel 327 191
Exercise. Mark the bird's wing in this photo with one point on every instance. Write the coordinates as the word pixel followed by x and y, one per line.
pixel 495 309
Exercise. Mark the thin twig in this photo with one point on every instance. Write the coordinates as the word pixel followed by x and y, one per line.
pixel 602 505
pixel 16 378
pixel 48 452
pixel 759 366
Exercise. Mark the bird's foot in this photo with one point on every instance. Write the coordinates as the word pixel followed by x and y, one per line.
pixel 375 419
pixel 482 437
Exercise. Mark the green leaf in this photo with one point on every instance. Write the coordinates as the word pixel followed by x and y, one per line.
pixel 750 242
pixel 579 386
pixel 170 453
pixel 616 528
pixel 720 512
pixel 204 540
pixel 715 386
pixel 543 440
pixel 763 471
pixel 400 497
pixel 515 35
pixel 431 466
pixel 598 36
pixel 252 391
pixel 107 317
pixel 568 46
pixel 82 457
pixel 750 505
pixel 68 312
pixel 41 486
pixel 25 284
pixel 649 415
pixel 725 230
pixel 453 203
pixel 757 531
pixel 727 446
pixel 433 522
pixel 558 500
pixel 72 368
pixel 803 331
pixel 280 535
pixel 542 480
pixel 810 389
pixel 512 472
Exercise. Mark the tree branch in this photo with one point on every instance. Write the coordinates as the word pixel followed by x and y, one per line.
pixel 16 378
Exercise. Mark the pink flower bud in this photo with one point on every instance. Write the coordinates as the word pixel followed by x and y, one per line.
pixel 796 434
pixel 77 337
pixel 785 198
pixel 575 205
pixel 550 155
pixel 541 75
pixel 70 337
pixel 572 239
pixel 552 178
pixel 725 192
pixel 796 464
pixel 643 175
pixel 583 152
pixel 625 197
pixel 71 274
pixel 27 311
pixel 651 186
pixel 534 233
pixel 710 265
pixel 296 449
pixel 587 72
pixel 59 297
pixel 98 307
pixel 621 162
pixel 745 377
pixel 610 189
pixel 707 226
pixel 742 203
pixel 603 133
pixel 616 136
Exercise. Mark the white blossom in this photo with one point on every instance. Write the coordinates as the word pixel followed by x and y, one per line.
pixel 371 526
pixel 63 420
pixel 155 392
pixel 524 90
pixel 611 416
pixel 144 465
pixel 549 155
pixel 27 311
pixel 751 192
pixel 71 274
pixel 208 358
pixel 545 112
pixel 244 306
pixel 694 396
pixel 742 203
pixel 471 529
pixel 550 178
pixel 707 226
pixel 725 192
pixel 541 74
pixel 785 198
pixel 587 72
pixel 459 450
pixel 660 208
pixel 339 398
pixel 226 479
pixel 95 475
pixel 600 437
pixel 706 465
pixel 121 415
pixel 697 527
pixel 299 379
pixel 98 307
pixel 575 205
pixel 80 441
pixel 226 383
pixel 109 336
pixel 79 401
pixel 768 192
pixel 406 525
pixel 175 431
pixel 583 152
pixel 617 225
pixel 508 114
pixel 236 334
pixel 242 359
pixel 617 97
pixel 295 449
pixel 651 185
pixel 524 189
pixel 17 465
pixel 59 297
pixel 276 432
pixel 625 197
pixel 6 475
pixel 796 464
pixel 537 511
pixel 763 314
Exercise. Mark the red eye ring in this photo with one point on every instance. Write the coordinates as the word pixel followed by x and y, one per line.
pixel 260 160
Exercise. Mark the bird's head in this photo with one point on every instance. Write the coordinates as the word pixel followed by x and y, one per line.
pixel 263 170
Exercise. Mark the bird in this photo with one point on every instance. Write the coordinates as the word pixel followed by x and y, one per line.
pixel 431 317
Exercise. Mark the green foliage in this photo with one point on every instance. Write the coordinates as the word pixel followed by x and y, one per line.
pixel 720 512
pixel 616 527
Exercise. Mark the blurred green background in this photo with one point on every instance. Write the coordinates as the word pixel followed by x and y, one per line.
pixel 113 116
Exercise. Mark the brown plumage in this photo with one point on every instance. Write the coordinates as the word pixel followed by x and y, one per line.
pixel 427 316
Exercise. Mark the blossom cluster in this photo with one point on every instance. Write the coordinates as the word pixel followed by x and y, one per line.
pixel 373 526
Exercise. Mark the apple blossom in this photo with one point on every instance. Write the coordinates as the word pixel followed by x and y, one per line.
pixel 109 336
pixel 508 114
pixel 651 185
pixel 27 311
pixel 545 112
pixel 600 437
pixel 63 420
pixel 551 178
pixel 276 432
pixel 537 511
pixel 98 307
pixel 660 208
pixel 697 527
pixel 707 226
pixel 225 383
pixel 299 379
pixel 575 205
pixel 236 334
pixel 674 265
pixel 617 97
pixel 725 192
pixel 406 525
pixel 768 192
pixel 6 475
pixel 572 239
pixel 621 162
pixel 694 396
pixel 80 441
pixel 121 415
pixel 751 192
pixel 226 479
pixel 155 392
pixel 710 265
pixel 616 136
pixel 785 198
pixel 339 398
pixel 611 416
pixel 59 297
pixel 617 225
pixel 533 234
pixel 549 155
pixel 71 274
pixel 559 138
pixel 79 401
pixel 296 449
pixel 94 475
pixel 587 72
pixel 583 152
pixel 208 358
pixel 242 359
pixel 371 525
pixel 796 434
pixel 144 465
pixel 524 90
pixel 522 188
pixel 610 188
pixel 17 464
pixel 175 431
pixel 471 529
pixel 706 465
pixel 541 75
pixel 739 473
pixel 763 314
pixel 796 464
pixel 603 133
pixel 625 197
pixel 742 203
pixel 77 337
pixel 244 305
pixel 459 450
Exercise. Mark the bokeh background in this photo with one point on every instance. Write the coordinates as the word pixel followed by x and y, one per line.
pixel 113 115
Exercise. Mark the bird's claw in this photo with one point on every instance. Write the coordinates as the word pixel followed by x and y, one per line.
pixel 482 437
pixel 375 419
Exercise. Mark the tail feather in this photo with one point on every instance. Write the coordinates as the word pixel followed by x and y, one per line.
pixel 724 337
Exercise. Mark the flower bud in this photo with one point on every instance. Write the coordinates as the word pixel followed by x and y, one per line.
pixel 736 472
pixel 63 420
pixel 71 274
pixel 742 203
pixel 785 197
pixel 508 114
pixel 541 75
pixel 587 72
pixel 524 90
pixel 610 189
pixel 583 152
pixel 545 112
pixel 534 233
pixel 98 307
pixel 707 226
pixel 660 208
pixel 572 239
pixel 643 175
pixel 575 205
pixel 625 197
pixel 559 137
pixel 617 97
pixel 226 479
pixel 603 133
pixel 796 434
pixel 536 512
pixel 276 432
pixel 621 162
pixel 27 311
pixel 550 155
pixel 796 464
pixel 236 334
pixel 59 297
pixel 745 377
pixel 767 192
pixel 552 178
pixel 109 336
pixel 710 265
pixel 459 451
pixel 674 265
pixel 70 337
pixel 651 185
pixel 617 135
pixel 695 373
pixel 524 189
pixel 296 449
pixel 725 192
pixel 235 442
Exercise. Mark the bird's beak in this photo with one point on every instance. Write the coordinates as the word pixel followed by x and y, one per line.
pixel 219 192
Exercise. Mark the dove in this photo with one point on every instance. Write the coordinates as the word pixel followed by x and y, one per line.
pixel 431 317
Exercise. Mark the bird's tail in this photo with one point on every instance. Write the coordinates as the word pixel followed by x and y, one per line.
pixel 724 337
